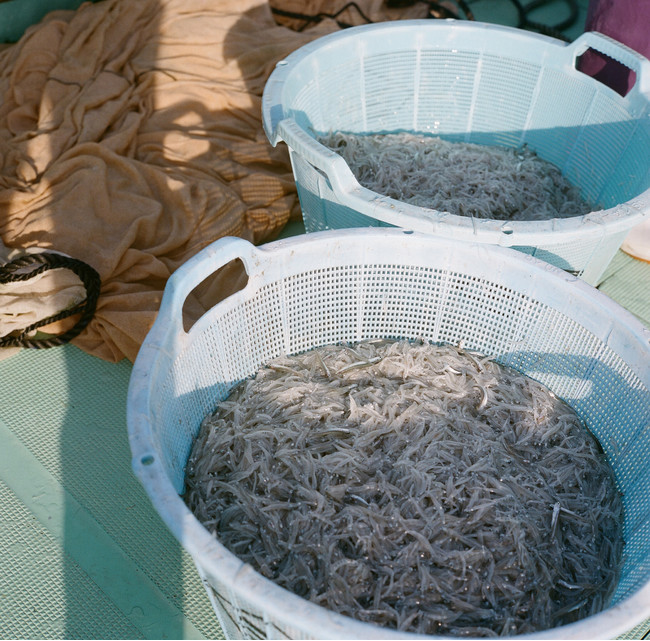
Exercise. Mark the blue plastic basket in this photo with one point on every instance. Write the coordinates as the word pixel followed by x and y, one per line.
pixel 477 83
pixel 351 285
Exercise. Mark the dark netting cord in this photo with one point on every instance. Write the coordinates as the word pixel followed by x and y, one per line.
pixel 440 10
pixel 42 262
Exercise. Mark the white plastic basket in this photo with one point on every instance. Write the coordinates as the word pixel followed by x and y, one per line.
pixel 358 284
pixel 477 83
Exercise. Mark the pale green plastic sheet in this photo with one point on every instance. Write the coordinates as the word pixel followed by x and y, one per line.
pixel 82 552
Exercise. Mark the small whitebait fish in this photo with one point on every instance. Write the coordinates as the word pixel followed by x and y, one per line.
pixel 554 518
pixel 359 365
pixel 461 178
pixel 322 364
pixel 414 486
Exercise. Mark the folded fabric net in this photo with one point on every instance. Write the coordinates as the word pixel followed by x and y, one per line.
pixel 130 138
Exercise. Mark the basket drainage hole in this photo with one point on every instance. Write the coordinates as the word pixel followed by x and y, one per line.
pixel 224 282
pixel 147 460
pixel 507 231
pixel 408 231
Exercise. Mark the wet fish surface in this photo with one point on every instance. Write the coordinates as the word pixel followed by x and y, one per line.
pixel 465 179
pixel 421 487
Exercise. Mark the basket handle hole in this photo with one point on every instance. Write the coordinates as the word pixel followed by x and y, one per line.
pixel 222 283
pixel 606 70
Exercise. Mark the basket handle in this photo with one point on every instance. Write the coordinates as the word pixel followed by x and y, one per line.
pixel 341 178
pixel 203 264
pixel 617 51
pixel 325 160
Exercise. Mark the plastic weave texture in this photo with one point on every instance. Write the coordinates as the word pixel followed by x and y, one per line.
pixel 351 285
pixel 82 552
pixel 35 569
pixel 477 83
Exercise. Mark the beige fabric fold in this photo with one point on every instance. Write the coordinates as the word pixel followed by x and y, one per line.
pixel 131 137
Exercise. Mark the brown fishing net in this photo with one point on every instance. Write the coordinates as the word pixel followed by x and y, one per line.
pixel 130 138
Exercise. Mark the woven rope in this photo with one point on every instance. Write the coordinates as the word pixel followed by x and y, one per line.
pixel 43 262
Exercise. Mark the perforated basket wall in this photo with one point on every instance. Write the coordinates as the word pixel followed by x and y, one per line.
pixel 357 284
pixel 477 83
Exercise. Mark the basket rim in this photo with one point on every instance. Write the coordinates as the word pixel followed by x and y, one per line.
pixel 211 556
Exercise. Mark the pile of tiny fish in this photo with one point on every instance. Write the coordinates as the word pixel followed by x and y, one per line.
pixel 421 487
pixel 486 182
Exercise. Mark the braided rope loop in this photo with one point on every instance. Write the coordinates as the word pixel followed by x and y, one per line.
pixel 42 262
